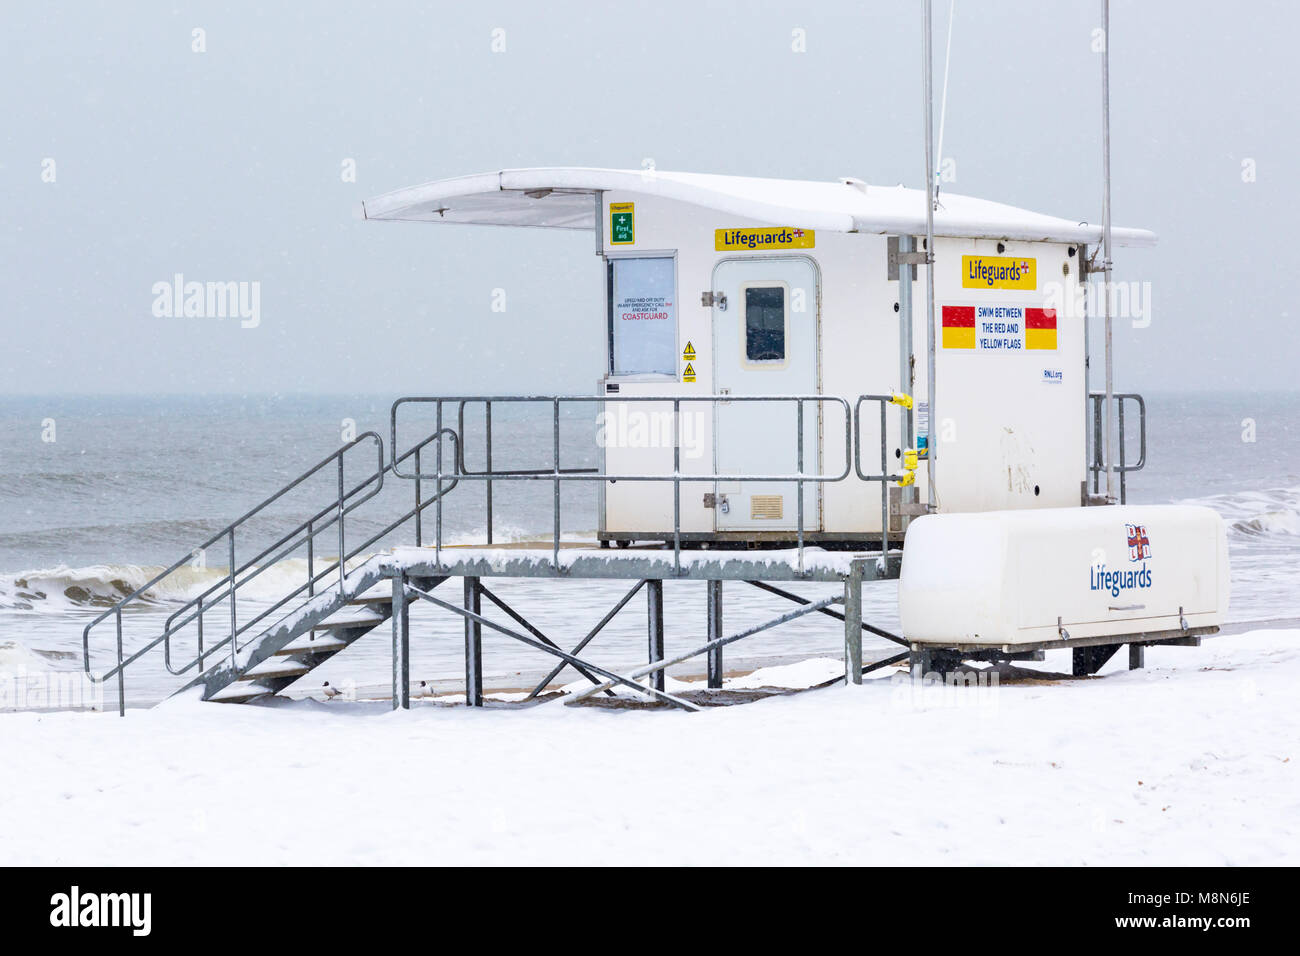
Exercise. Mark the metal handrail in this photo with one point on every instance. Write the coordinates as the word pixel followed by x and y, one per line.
pixel 464 470
pixel 1097 466
pixel 259 564
pixel 556 474
pixel 228 532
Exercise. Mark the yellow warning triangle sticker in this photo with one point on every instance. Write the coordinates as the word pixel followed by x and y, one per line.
pixel 688 353
pixel 688 375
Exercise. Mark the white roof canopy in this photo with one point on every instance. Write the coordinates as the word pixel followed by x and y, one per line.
pixel 562 198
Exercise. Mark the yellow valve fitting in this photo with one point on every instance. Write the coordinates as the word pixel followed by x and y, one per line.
pixel 909 468
pixel 899 399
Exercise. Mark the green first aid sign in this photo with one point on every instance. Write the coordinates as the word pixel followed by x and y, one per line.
pixel 621 230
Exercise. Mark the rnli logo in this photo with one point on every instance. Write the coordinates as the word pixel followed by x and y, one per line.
pixel 1139 544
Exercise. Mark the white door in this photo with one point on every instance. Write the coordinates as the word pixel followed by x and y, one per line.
pixel 765 343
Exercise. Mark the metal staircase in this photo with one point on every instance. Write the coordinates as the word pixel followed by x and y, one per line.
pixel 298 644
pixel 275 665
pixel 331 609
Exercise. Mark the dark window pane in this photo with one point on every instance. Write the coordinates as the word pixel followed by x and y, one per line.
pixel 765 324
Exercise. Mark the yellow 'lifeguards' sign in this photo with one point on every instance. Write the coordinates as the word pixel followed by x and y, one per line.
pixel 781 237
pixel 998 272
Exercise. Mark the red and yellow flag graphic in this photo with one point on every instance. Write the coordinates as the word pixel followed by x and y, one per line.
pixel 1040 328
pixel 959 327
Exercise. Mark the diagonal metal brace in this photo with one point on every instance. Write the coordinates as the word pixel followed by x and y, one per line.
pixel 789 596
pixel 528 626
pixel 719 642
pixel 866 669
pixel 611 677
pixel 588 639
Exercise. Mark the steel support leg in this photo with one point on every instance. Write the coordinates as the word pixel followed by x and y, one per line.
pixel 715 632
pixel 1089 660
pixel 473 646
pixel 401 645
pixel 931 663
pixel 1137 657
pixel 853 624
pixel 655 620
pixel 919 664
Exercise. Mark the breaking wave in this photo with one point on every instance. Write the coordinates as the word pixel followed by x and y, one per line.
pixel 1258 514
pixel 102 586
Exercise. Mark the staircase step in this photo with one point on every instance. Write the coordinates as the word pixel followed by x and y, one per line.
pixel 242 690
pixel 305 645
pixel 374 596
pixel 314 630
pixel 276 667
pixel 359 620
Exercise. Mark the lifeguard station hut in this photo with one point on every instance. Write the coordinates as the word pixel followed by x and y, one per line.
pixel 773 408
pixel 722 288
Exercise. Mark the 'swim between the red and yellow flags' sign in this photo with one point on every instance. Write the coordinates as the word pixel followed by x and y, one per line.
pixel 998 328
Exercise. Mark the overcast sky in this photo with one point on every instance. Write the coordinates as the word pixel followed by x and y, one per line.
pixel 226 165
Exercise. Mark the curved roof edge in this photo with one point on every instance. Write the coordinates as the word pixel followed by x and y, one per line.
pixel 562 198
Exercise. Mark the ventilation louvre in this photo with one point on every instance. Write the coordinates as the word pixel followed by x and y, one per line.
pixel 766 507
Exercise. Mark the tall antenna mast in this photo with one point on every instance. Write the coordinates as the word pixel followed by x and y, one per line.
pixel 932 422
pixel 1105 240
pixel 943 99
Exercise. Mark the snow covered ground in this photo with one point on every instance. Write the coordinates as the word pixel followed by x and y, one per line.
pixel 1187 762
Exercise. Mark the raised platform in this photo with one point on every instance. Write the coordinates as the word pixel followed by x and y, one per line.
pixel 589 560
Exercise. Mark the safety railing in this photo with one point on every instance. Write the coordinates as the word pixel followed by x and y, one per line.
pixel 304 534
pixel 557 474
pixel 884 477
pixel 1096 463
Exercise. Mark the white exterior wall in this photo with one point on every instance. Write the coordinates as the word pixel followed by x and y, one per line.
pixel 1000 430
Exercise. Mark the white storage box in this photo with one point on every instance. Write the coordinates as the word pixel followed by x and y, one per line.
pixel 1019 577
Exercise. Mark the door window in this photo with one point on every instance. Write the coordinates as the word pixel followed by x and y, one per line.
pixel 765 323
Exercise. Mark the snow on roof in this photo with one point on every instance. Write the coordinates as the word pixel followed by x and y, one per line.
pixel 562 198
